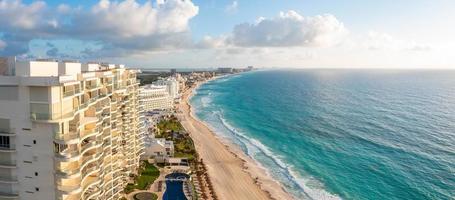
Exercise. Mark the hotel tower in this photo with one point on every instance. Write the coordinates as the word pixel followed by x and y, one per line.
pixel 67 130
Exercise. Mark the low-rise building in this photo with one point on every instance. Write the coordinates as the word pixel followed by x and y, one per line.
pixel 160 149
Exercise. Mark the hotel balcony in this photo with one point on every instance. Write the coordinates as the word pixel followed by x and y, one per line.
pixel 90 132
pixel 68 173
pixel 68 192
pixel 68 138
pixel 68 153
pixel 88 182
pixel 7 161
pixel 8 178
pixel 7 191
pixel 44 111
pixel 71 90
pixel 91 84
pixel 87 146
pixel 92 194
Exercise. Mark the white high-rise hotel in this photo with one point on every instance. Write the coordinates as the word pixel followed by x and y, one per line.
pixel 67 130
pixel 155 97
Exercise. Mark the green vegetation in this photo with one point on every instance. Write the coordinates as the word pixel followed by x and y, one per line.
pixel 166 128
pixel 183 145
pixel 148 173
pixel 150 77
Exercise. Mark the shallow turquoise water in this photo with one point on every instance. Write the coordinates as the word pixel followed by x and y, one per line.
pixel 350 134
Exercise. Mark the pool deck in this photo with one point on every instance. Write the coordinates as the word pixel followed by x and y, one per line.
pixel 155 186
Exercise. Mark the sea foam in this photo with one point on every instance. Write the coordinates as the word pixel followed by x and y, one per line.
pixel 254 147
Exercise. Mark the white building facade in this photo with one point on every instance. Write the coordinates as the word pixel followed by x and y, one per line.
pixel 155 97
pixel 68 130
pixel 160 149
pixel 171 84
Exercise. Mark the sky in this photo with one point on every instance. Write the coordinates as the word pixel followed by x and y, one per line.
pixel 233 33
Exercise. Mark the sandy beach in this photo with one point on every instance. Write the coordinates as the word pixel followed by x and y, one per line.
pixel 234 175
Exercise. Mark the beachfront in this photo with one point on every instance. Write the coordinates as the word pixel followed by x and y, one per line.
pixel 233 174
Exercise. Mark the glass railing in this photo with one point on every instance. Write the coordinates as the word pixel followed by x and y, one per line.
pixel 67 188
pixel 67 172
pixel 85 159
pixel 69 93
pixel 91 86
pixel 8 178
pixel 7 130
pixel 45 111
pixel 88 132
pixel 66 137
pixel 68 153
pixel 6 161
pixel 87 146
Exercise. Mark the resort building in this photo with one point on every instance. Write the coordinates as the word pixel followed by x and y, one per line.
pixel 68 130
pixel 172 86
pixel 225 70
pixel 160 149
pixel 155 97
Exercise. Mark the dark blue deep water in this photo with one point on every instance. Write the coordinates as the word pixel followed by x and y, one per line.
pixel 349 134
pixel 174 188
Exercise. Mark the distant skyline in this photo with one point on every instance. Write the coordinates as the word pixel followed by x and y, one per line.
pixel 212 33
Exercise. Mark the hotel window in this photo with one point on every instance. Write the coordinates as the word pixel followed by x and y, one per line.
pixel 4 142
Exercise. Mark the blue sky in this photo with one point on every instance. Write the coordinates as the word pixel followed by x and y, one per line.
pixel 204 33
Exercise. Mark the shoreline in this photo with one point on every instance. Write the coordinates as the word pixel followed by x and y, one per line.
pixel 225 160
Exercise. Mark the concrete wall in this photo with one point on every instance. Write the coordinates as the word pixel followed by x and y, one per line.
pixel 69 68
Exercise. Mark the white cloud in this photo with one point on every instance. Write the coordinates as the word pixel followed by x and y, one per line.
pixel 2 44
pixel 63 8
pixel 233 7
pixel 383 41
pixel 130 19
pixel 212 42
pixel 290 29
pixel 120 26
pixel 16 15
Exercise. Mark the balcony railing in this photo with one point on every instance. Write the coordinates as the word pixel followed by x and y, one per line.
pixel 67 137
pixel 91 86
pixel 4 178
pixel 46 111
pixel 68 153
pixel 7 163
pixel 68 188
pixel 67 172
pixel 87 146
pixel 7 131
pixel 71 92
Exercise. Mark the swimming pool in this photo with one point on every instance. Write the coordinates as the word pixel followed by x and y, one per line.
pixel 174 186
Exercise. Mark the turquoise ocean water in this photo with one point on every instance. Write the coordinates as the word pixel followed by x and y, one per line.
pixel 341 134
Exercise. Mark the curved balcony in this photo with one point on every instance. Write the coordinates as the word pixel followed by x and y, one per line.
pixel 69 156
pixel 92 193
pixel 88 162
pixel 68 173
pixel 69 190
pixel 70 138
pixel 89 146
pixel 88 182
pixel 86 133
pixel 88 120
